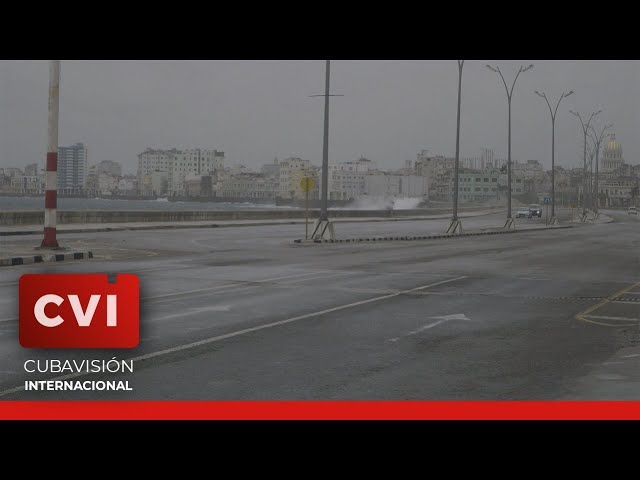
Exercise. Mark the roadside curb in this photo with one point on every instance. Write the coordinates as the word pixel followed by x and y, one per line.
pixel 63 231
pixel 51 257
pixel 428 237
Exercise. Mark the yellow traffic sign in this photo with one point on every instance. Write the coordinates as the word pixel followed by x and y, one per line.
pixel 307 184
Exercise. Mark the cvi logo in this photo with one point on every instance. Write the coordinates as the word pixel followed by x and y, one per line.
pixel 79 311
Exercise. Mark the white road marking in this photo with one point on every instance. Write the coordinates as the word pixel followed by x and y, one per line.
pixel 5 320
pixel 443 318
pixel 622 301
pixel 630 356
pixel 604 317
pixel 194 311
pixel 457 316
pixel 248 330
pixel 239 282
pixel 426 327
pixel 319 276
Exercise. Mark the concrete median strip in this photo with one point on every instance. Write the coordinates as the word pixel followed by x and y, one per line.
pixel 428 237
pixel 45 257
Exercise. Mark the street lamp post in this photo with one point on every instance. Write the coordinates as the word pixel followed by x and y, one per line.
pixel 585 129
pixel 456 226
pixel 553 149
pixel 509 223
pixel 597 139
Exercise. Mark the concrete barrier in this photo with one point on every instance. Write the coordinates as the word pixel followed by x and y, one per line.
pixel 36 217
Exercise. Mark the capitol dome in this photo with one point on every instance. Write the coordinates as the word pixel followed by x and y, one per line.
pixel 613 149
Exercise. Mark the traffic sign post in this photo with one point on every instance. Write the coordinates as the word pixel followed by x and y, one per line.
pixel 307 184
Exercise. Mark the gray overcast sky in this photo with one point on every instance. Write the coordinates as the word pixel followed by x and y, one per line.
pixel 255 110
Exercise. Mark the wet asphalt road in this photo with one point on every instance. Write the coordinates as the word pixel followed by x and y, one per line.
pixel 531 316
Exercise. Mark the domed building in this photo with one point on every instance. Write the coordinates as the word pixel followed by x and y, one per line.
pixel 612 159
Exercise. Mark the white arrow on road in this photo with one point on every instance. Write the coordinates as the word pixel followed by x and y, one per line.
pixel 442 319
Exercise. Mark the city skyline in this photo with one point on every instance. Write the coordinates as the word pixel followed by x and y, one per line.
pixel 256 110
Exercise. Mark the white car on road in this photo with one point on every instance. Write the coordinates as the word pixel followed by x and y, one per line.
pixel 633 211
pixel 522 212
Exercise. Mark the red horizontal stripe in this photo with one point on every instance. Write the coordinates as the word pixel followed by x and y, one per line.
pixel 323 410
pixel 48 242
pixel 51 199
pixel 52 161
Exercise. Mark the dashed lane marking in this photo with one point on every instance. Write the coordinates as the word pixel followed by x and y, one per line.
pixel 207 341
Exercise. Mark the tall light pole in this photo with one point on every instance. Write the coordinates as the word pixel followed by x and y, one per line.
pixel 456 226
pixel 553 150
pixel 509 223
pixel 585 130
pixel 597 139
pixel 51 195
pixel 323 227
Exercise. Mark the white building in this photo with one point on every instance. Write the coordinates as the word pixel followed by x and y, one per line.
pixel 347 179
pixel 386 185
pixel 106 183
pixel 178 164
pixel 248 186
pixel 72 168
pixel 10 171
pixel 110 167
pixel 532 169
pixel 192 162
pixel 28 184
pixel 292 171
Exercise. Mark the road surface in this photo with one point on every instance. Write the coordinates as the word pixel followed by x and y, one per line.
pixel 244 314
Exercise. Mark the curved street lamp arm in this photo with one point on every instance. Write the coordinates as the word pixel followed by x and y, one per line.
pixel 543 95
pixel 591 117
pixel 504 82
pixel 598 138
pixel 584 130
pixel 564 95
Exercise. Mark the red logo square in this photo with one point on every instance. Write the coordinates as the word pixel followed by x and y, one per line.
pixel 79 311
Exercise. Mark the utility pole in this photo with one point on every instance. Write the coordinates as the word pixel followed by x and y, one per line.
pixel 323 227
pixel 509 224
pixel 51 195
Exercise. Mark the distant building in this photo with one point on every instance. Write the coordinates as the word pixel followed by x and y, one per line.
pixel 271 170
pixel 612 159
pixel 347 179
pixel 31 170
pixel 178 165
pixel 292 171
pixel 382 184
pixel 487 158
pixel 247 186
pixel 72 169
pixel 109 167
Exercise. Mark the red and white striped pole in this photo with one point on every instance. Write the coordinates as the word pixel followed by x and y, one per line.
pixel 51 195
